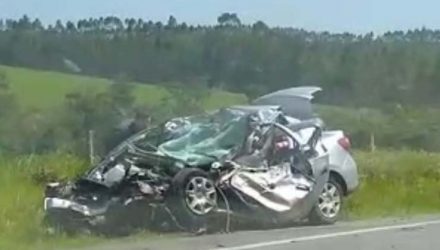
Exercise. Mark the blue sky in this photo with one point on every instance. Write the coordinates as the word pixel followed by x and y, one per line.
pixel 357 16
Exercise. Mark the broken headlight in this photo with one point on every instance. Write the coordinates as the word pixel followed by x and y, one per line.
pixel 52 189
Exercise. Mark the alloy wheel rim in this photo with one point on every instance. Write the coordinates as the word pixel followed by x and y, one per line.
pixel 330 201
pixel 201 196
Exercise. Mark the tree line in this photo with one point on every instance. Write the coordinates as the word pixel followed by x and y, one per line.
pixel 357 70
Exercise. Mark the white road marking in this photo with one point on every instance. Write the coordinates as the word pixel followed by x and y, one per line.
pixel 330 235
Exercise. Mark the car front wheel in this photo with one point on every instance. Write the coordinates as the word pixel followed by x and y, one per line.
pixel 193 197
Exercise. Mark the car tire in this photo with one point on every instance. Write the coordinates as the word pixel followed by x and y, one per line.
pixel 329 205
pixel 190 188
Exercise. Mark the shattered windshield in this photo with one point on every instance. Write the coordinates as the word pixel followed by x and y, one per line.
pixel 199 140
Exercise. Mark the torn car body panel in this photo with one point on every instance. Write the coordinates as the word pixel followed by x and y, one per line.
pixel 277 189
pixel 295 102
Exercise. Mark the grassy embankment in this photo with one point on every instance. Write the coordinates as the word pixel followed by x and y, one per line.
pixel 394 183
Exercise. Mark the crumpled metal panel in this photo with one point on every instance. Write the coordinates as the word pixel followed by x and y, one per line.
pixel 295 102
pixel 277 189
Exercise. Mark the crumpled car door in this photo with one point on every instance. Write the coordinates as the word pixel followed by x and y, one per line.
pixel 276 189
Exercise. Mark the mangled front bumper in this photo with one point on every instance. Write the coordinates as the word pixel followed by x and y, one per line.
pixel 72 216
pixel 53 203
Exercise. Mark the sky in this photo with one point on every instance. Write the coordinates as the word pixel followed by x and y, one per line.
pixel 355 16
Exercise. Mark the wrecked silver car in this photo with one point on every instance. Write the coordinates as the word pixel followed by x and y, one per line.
pixel 247 162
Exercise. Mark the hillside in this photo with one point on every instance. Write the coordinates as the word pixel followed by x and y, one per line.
pixel 395 128
pixel 44 89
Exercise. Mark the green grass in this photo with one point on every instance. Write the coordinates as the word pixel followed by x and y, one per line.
pixel 46 89
pixel 393 183
pixel 21 193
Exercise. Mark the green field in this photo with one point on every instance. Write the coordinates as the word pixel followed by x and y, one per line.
pixel 45 89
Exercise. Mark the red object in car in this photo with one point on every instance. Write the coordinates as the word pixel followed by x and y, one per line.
pixel 345 143
pixel 285 143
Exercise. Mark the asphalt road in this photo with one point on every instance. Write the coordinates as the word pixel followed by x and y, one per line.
pixel 403 234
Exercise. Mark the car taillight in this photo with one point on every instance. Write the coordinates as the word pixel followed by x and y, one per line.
pixel 345 143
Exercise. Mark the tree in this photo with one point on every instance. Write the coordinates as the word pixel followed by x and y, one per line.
pixel 11 24
pixel 82 25
pixel 183 26
pixel 37 25
pixel 260 26
pixel 88 111
pixel 59 27
pixel 172 22
pixel 24 23
pixel 228 19
pixel 70 27
pixel 130 24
